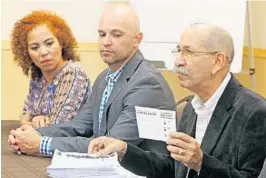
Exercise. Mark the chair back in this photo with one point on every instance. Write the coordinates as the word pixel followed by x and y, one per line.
pixel 181 104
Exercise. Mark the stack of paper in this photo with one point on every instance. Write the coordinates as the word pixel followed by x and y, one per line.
pixel 69 164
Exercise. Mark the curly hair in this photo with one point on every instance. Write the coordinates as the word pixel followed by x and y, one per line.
pixel 57 25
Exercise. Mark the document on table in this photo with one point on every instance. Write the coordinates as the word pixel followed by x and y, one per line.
pixel 155 124
pixel 72 165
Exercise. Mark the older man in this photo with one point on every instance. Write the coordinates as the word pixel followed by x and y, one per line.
pixel 222 132
pixel 129 81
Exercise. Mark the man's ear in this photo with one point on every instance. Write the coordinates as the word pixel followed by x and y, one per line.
pixel 219 62
pixel 138 39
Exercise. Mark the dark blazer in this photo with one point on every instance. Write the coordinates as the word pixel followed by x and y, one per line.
pixel 263 171
pixel 140 84
pixel 234 145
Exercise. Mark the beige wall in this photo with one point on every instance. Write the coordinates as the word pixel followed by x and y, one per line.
pixel 258 16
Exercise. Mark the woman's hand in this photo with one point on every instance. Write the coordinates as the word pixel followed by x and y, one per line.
pixel 25 118
pixel 40 121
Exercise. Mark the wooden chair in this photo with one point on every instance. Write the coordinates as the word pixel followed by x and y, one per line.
pixel 181 104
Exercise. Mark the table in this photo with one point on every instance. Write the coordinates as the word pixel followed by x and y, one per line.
pixel 21 166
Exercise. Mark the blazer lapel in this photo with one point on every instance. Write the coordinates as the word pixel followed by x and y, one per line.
pixel 98 98
pixel 120 84
pixel 214 129
pixel 187 125
pixel 188 121
pixel 220 117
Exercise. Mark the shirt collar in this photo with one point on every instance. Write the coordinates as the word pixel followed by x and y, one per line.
pixel 197 103
pixel 115 75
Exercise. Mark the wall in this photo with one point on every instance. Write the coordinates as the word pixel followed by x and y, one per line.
pixel 258 15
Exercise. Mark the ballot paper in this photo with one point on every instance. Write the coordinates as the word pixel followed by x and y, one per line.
pixel 155 124
pixel 82 165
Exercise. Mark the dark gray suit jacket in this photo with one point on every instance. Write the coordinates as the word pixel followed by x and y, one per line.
pixel 263 171
pixel 234 145
pixel 140 84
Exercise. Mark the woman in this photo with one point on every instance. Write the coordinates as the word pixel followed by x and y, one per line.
pixel 44 46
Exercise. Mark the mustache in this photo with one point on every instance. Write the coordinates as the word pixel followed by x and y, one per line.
pixel 106 50
pixel 181 70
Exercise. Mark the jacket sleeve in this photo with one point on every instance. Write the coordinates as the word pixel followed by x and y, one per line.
pixel 148 164
pixel 263 171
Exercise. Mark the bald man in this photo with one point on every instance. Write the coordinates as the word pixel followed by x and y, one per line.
pixel 129 81
pixel 222 132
